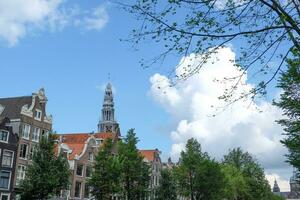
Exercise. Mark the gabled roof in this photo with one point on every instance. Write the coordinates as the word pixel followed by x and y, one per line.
pixel 148 154
pixel 77 141
pixel 13 106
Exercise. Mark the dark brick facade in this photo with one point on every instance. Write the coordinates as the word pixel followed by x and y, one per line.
pixel 8 157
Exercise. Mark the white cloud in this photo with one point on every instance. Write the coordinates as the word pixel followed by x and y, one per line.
pixel 97 20
pixel 19 18
pixel 191 105
pixel 17 15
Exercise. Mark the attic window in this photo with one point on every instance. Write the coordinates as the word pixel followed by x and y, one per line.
pixel 38 114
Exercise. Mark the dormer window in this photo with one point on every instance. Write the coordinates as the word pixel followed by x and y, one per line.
pixel 4 136
pixel 38 114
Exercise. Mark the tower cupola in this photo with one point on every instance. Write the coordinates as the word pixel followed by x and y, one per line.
pixel 107 121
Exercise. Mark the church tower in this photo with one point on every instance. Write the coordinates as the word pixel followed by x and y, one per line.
pixel 276 188
pixel 107 123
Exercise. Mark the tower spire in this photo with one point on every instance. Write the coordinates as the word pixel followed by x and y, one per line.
pixel 276 188
pixel 107 121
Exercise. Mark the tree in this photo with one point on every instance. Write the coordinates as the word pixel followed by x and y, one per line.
pixel 235 183
pixel 105 177
pixel 290 104
pixel 48 173
pixel 258 186
pixel 167 188
pixel 197 176
pixel 263 32
pixel 134 171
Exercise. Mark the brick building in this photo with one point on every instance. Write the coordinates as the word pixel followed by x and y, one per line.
pixel 29 121
pixel 81 149
pixel 152 157
pixel 8 154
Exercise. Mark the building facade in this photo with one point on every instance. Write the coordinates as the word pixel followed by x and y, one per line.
pixel 8 154
pixel 29 121
pixel 294 193
pixel 80 150
pixel 152 157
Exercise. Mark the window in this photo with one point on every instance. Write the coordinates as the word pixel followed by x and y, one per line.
pixel 38 114
pixel 4 179
pixel 23 151
pixel 36 134
pixel 32 149
pixel 7 158
pixel 4 196
pixel 91 156
pixel 98 141
pixel 86 191
pixel 21 173
pixel 88 171
pixel 4 136
pixel 26 131
pixel 78 189
pixel 79 170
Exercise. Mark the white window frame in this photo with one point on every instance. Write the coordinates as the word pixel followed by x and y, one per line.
pixel 82 170
pixel 7 136
pixel 8 179
pixel 29 127
pixel 12 159
pixel 5 194
pixel 80 190
pixel 36 135
pixel 39 117
pixel 18 178
pixel 26 155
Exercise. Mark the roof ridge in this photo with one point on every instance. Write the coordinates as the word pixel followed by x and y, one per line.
pixel 18 97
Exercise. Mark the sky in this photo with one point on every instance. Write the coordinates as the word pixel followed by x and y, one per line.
pixel 73 48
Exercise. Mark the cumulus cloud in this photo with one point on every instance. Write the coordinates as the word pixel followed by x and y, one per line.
pixel 18 18
pixel 193 103
pixel 16 15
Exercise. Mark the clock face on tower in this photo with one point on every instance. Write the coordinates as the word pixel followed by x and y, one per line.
pixel 109 129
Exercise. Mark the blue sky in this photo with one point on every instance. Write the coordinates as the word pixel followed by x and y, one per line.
pixel 73 65
pixel 70 47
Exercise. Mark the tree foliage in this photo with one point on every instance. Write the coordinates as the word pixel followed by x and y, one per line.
pixel 135 173
pixel 262 31
pixel 198 177
pixel 47 175
pixel 105 177
pixel 290 104
pixel 235 183
pixel 257 187
pixel 167 186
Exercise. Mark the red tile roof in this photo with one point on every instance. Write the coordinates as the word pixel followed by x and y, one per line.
pixel 76 141
pixel 148 154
